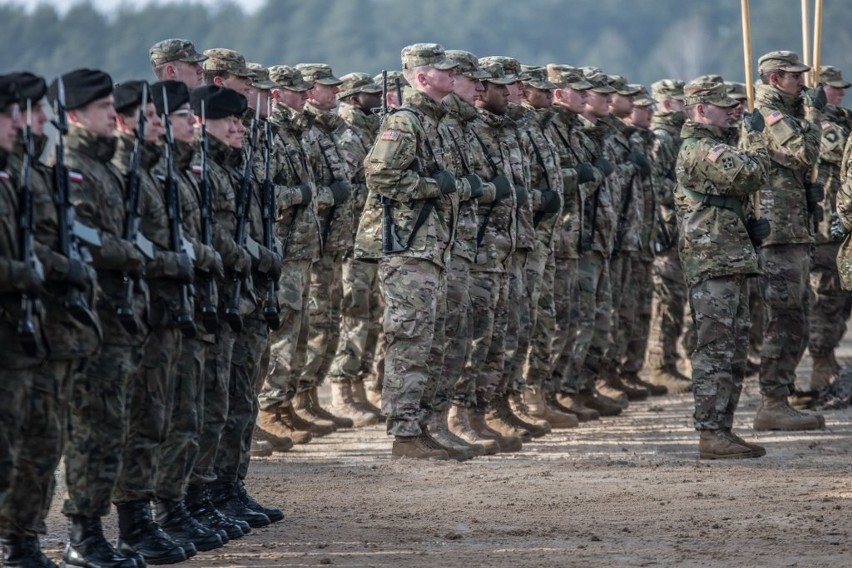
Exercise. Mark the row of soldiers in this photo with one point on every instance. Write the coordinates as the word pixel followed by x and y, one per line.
pixel 245 227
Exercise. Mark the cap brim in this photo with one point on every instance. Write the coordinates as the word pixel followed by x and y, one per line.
pixel 299 87
pixel 796 68
pixel 603 90
pixel 329 81
pixel 580 85
pixel 628 92
pixel 371 89
pixel 266 85
pixel 838 84
pixel 540 85
pixel 500 80
pixel 197 58
pixel 444 65
pixel 478 74
pixel 727 102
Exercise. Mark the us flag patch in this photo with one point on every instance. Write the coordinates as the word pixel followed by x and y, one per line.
pixel 196 170
pixel 390 135
pixel 4 176
pixel 75 176
pixel 714 154
pixel 774 117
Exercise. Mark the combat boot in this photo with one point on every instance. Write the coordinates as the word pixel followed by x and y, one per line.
pixel 632 379
pixel 671 379
pixel 343 404
pixel 137 534
pixel 565 402
pixel 604 405
pixel 276 443
pixel 775 413
pixel 824 371
pixel 88 548
pixel 178 524
pixel 440 432
pixel 276 422
pixel 417 447
pixel 225 498
pixel 519 411
pixel 458 422
pixel 24 552
pixel 317 410
pixel 260 448
pixel 754 447
pixel 273 514
pixel 631 392
pixel 499 419
pixel 362 400
pixel 373 394
pixel 454 452
pixel 616 396
pixel 537 407
pixel 201 509
pixel 480 425
pixel 720 445
pixel 305 421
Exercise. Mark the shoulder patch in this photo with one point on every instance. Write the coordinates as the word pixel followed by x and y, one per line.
pixel 391 135
pixel 714 154
pixel 347 156
pixel 4 175
pixel 196 170
pixel 75 176
pixel 825 124
pixel 774 118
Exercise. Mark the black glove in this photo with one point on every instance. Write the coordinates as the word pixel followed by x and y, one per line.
pixel 550 201
pixel 758 229
pixel 341 191
pixel 307 194
pixel 135 262
pixel 753 121
pixel 604 166
pixel 243 265
pixel 185 268
pixel 475 183
pixel 77 274
pixel 814 194
pixel 277 261
pixel 522 195
pixel 836 229
pixel 446 182
pixel 585 172
pixel 502 186
pixel 815 98
pixel 641 162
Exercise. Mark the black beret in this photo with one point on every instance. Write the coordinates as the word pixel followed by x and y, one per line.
pixel 82 86
pixel 176 92
pixel 8 92
pixel 31 87
pixel 219 102
pixel 128 95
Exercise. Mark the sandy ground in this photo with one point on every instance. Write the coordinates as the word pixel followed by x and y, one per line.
pixel 625 491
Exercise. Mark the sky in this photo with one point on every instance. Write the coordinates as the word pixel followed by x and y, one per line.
pixel 108 6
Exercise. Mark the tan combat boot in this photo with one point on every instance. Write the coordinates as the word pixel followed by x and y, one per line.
pixel 633 379
pixel 294 421
pixel 458 422
pixel 272 421
pixel 506 443
pixel 566 403
pixel 519 410
pixel 824 371
pixel 499 419
pixel 439 429
pixel 344 406
pixel 308 405
pixel 260 448
pixel 417 447
pixel 454 449
pixel 775 413
pixel 633 392
pixel 592 399
pixel 537 407
pixel 617 396
pixel 720 445
pixel 671 379
pixel 282 444
pixel 374 393
pixel 362 399
pixel 759 449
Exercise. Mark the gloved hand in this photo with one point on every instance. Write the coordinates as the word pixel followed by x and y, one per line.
pixel 758 229
pixel 243 264
pixel 307 194
pixel 341 191
pixel 815 98
pixel 475 183
pixel 585 172
pixel 814 193
pixel 522 195
pixel 185 268
pixel 77 274
pixel 604 166
pixel 275 269
pixel 28 281
pixel 550 201
pixel 135 262
pixel 753 121
pixel 446 182
pixel 836 229
pixel 502 186
pixel 641 162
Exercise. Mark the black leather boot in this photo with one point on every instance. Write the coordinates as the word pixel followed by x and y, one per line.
pixel 201 509
pixel 225 498
pixel 272 513
pixel 88 548
pixel 137 533
pixel 24 552
pixel 175 520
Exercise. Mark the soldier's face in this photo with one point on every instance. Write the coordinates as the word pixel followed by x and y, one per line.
pixel 324 97
pixel 242 85
pixel 222 128
pixel 621 105
pixel 538 98
pixel 155 124
pixel 188 73
pixel 495 98
pixel 183 124
pixel 738 112
pixel 597 104
pixel 717 116
pixel 834 95
pixel 38 117
pixel 788 83
pixel 236 140
pixel 292 99
pixel 641 116
pixel 516 92
pixel 368 101
pixel 10 124
pixel 468 89
pixel 97 117
pixel 436 82
pixel 573 100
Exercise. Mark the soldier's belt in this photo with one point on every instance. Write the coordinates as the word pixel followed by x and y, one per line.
pixel 730 203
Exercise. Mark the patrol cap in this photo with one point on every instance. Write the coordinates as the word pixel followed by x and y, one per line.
pixel 318 73
pixel 128 95
pixel 736 91
pixel 170 50
pixel 288 78
pixel 713 78
pixel 219 102
pixel 781 61
pixel 431 54
pixel 228 60
pixel 621 87
pixel 497 73
pixel 8 92
pixel 707 92
pixel 468 64
pixel 667 89
pixel 567 77
pixel 82 86
pixel 511 66
pixel 176 92
pixel 598 79
pixel 354 83
pixel 30 87
pixel 261 77
pixel 536 77
pixel 642 98
pixel 392 77
pixel 832 77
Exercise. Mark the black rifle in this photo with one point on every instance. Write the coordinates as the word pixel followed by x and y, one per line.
pixel 173 212
pixel 68 229
pixel 26 327
pixel 391 242
pixel 124 309
pixel 271 308
pixel 209 315
pixel 480 233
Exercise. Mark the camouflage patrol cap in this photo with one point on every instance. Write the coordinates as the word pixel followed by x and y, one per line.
pixel 736 91
pixel 170 50
pixel 392 77
pixel 511 66
pixel 567 77
pixel 228 60
pixel 621 87
pixel 707 92
pixel 318 73
pixel 288 78
pixel 667 89
pixel 832 77
pixel 431 54
pixel 497 73
pixel 536 77
pixel 642 98
pixel 781 61
pixel 354 83
pixel 261 77
pixel 713 78
pixel 468 64
pixel 598 79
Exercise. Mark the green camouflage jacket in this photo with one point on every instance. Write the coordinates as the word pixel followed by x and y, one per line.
pixel 836 126
pixel 354 143
pixel 642 140
pixel 666 127
pixel 545 173
pixel 600 216
pixel 521 120
pixel 627 182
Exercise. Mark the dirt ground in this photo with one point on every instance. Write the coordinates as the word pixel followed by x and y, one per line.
pixel 625 491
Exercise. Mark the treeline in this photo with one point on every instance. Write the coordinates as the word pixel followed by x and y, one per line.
pixel 642 40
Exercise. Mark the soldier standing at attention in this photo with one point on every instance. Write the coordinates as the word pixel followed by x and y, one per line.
pixel 714 181
pixel 177 60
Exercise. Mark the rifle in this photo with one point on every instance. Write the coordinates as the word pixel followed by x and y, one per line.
pixel 26 327
pixel 173 212
pixel 271 308
pixel 70 231
pixel 124 309
pixel 391 242
pixel 480 233
pixel 209 315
